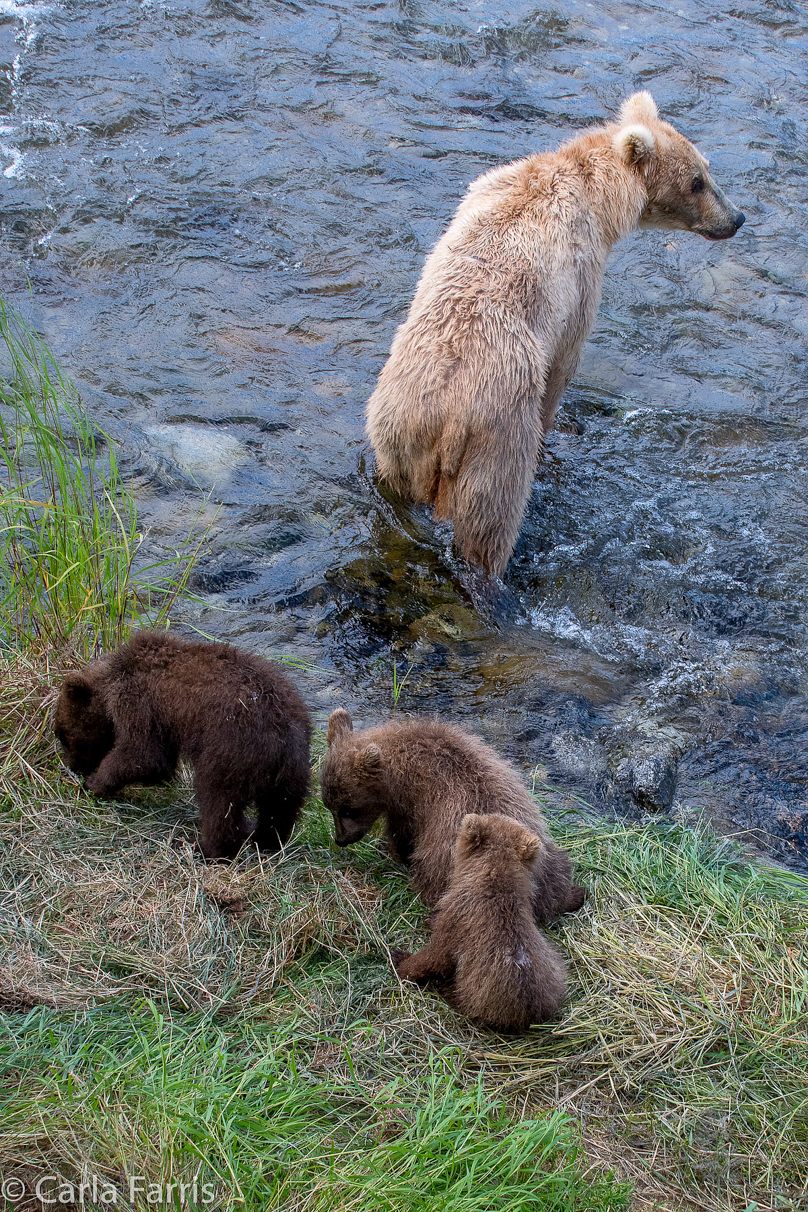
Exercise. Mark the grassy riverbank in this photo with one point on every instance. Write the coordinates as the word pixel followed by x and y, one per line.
pixel 165 1021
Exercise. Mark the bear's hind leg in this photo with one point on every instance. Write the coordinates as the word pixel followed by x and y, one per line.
pixel 554 892
pixel 575 898
pixel 486 501
pixel 434 961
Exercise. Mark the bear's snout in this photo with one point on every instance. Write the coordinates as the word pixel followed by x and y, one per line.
pixel 727 230
pixel 720 220
pixel 346 832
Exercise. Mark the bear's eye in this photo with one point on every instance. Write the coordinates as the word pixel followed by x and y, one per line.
pixel 698 185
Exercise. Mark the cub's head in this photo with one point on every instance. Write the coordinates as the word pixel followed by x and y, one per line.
pixel 494 836
pixel 681 192
pixel 82 724
pixel 352 778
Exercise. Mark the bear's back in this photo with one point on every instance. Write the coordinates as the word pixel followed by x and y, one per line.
pixel 195 687
pixel 441 762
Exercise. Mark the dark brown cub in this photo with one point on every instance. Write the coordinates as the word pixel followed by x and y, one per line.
pixel 130 716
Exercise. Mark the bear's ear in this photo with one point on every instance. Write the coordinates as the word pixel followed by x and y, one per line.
pixel 639 107
pixel 371 758
pixel 78 688
pixel 529 849
pixel 634 144
pixel 339 724
pixel 472 832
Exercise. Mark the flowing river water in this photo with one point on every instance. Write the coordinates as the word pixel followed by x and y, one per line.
pixel 222 208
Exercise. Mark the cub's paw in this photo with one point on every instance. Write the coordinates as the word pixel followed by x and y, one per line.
pixel 398 956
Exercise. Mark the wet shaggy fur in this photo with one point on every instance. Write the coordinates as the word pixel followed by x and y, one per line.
pixel 477 370
pixel 130 716
pixel 424 777
pixel 485 948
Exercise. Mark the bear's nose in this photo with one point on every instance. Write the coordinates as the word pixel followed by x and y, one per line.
pixel 740 219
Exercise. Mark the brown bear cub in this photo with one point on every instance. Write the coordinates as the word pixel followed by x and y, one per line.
pixel 424 777
pixel 130 716
pixel 485 946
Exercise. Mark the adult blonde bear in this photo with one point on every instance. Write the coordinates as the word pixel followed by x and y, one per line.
pixel 477 370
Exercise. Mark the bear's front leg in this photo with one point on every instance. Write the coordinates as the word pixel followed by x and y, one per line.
pixel 563 368
pixel 122 766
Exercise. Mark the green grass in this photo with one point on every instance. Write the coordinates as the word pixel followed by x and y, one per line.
pixel 69 538
pixel 246 1108
pixel 692 1015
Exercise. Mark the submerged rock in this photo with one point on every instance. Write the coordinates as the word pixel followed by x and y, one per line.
pixel 650 777
pixel 207 458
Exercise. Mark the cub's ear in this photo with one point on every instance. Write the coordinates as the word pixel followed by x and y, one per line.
pixel 339 724
pixel 77 687
pixel 371 758
pixel 472 832
pixel 634 143
pixel 529 849
pixel 639 107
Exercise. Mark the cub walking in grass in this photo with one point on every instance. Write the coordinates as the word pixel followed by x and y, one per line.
pixel 130 716
pixel 424 777
pixel 485 945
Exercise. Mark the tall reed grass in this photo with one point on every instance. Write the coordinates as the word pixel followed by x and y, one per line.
pixel 69 538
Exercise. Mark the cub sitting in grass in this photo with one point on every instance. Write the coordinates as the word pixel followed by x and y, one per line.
pixel 485 946
pixel 236 718
pixel 425 776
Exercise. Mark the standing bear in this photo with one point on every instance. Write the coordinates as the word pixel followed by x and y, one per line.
pixel 424 777
pixel 485 949
pixel 477 370
pixel 130 716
